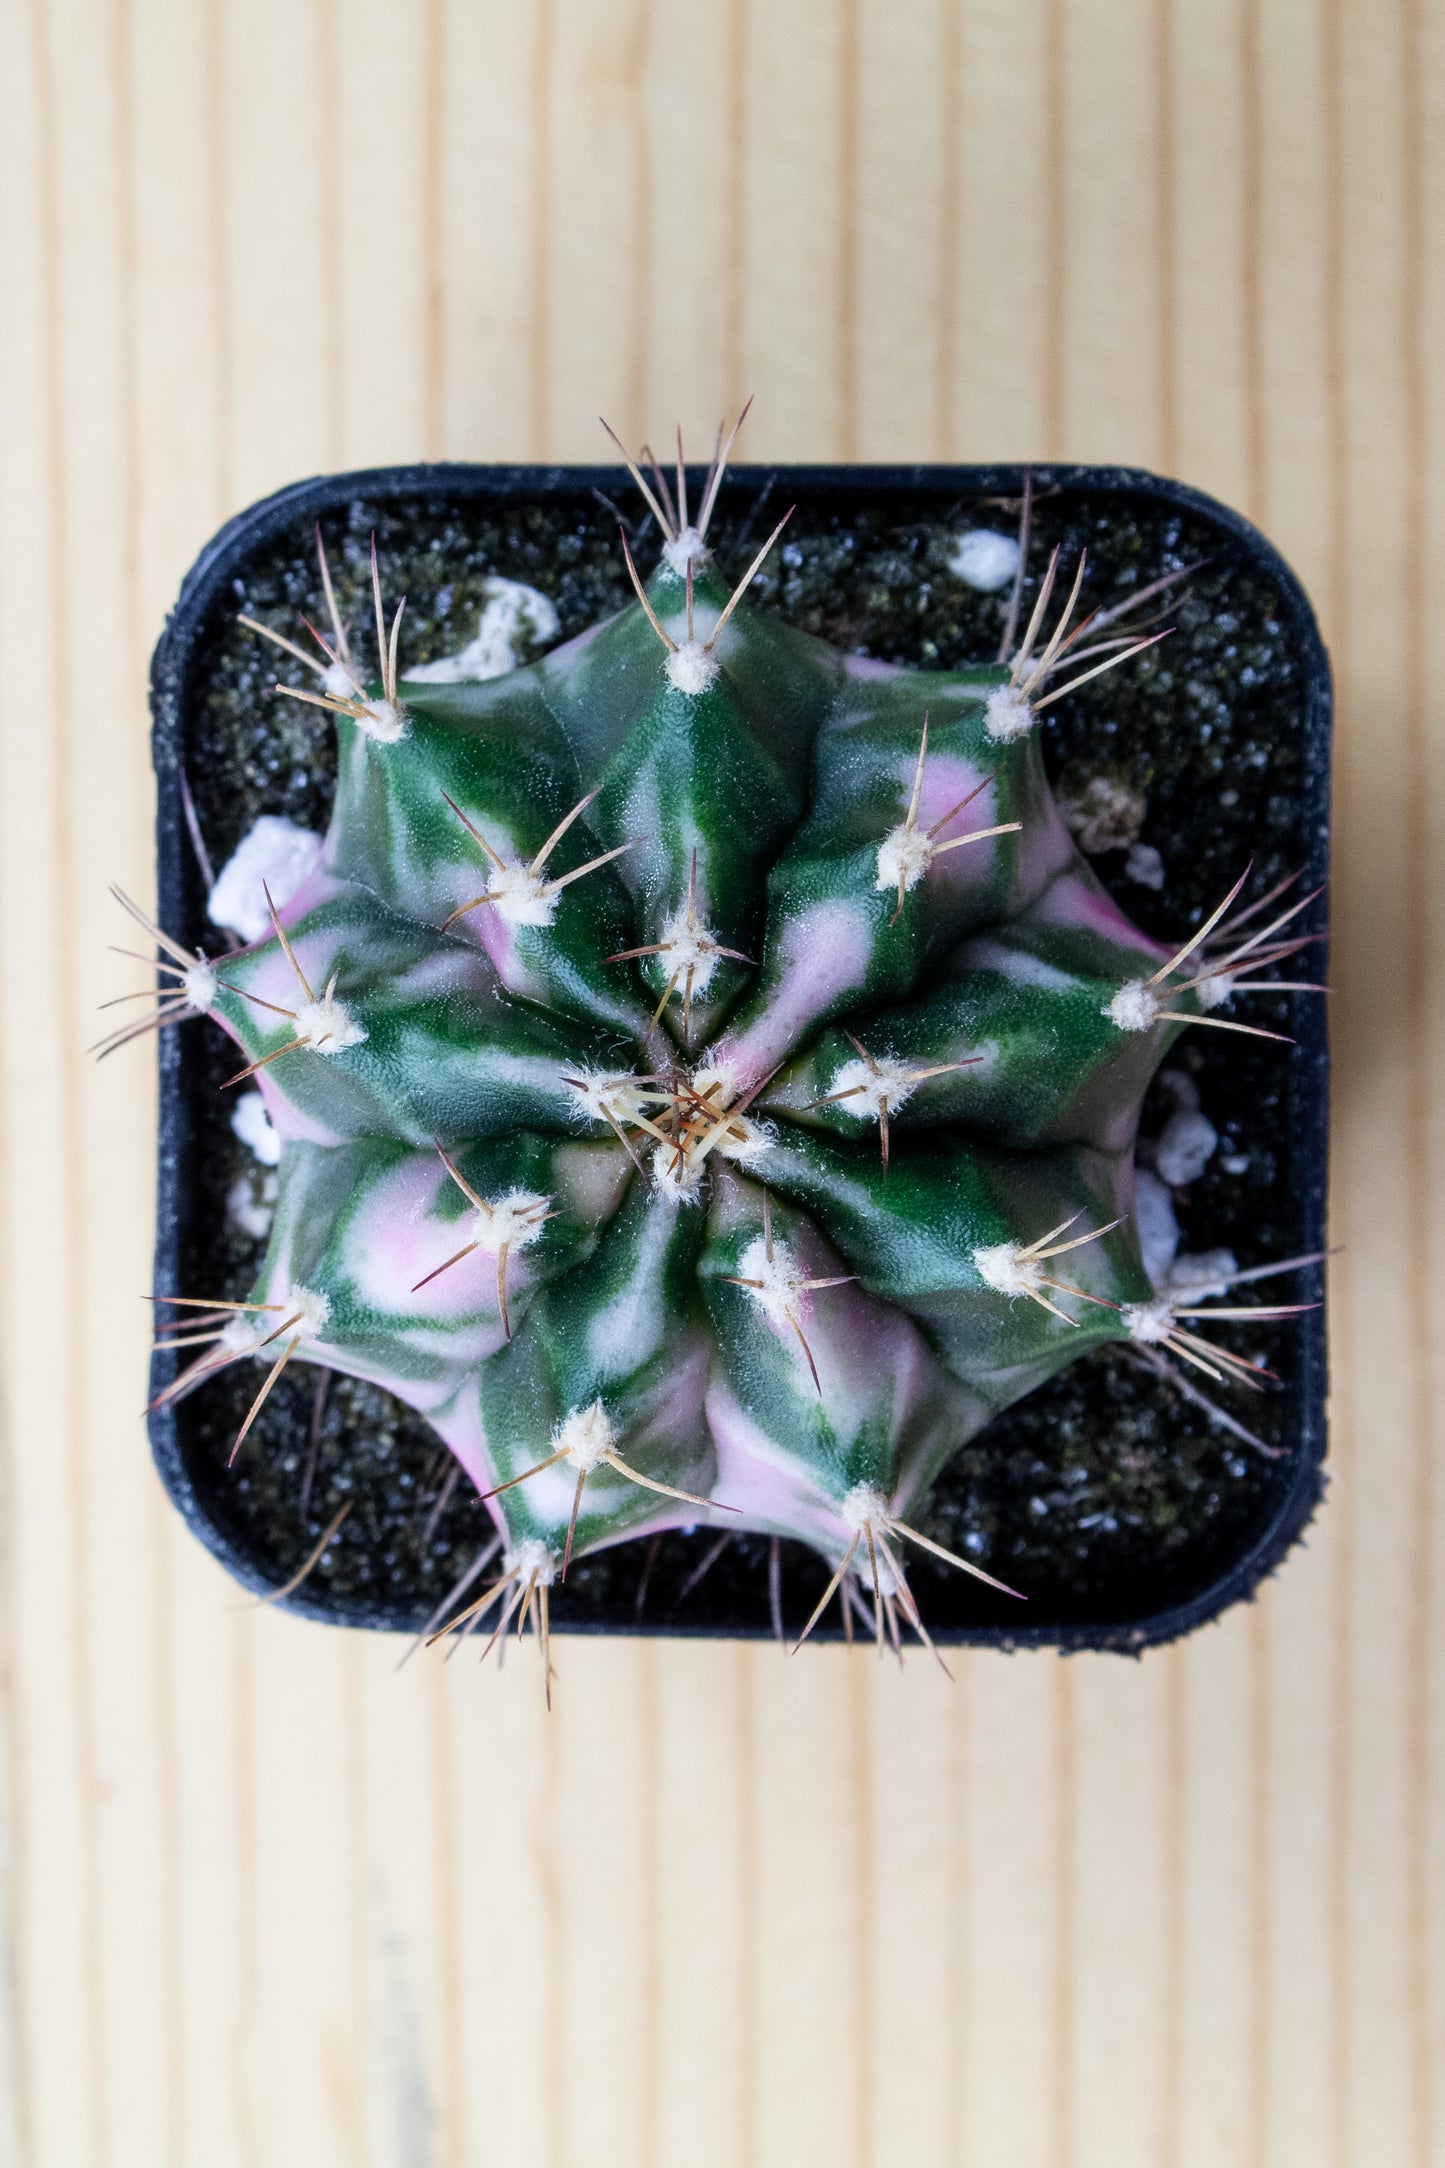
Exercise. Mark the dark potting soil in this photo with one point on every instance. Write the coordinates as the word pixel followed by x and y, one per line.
pixel 1106 1496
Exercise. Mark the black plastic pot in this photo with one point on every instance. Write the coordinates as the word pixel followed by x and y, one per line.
pixel 1235 731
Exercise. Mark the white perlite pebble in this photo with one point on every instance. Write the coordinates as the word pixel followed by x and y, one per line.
pixel 516 620
pixel 276 855
pixel 252 1124
pixel 1157 1227
pixel 1201 1272
pixel 252 1212
pixel 1185 1147
pixel 984 560
pixel 1145 866
pixel 1102 813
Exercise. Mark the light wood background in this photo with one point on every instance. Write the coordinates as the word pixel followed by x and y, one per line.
pixel 266 1902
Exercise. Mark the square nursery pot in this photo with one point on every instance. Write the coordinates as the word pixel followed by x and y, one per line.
pixel 1124 1510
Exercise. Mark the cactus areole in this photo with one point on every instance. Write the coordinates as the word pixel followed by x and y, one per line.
pixel 707 1073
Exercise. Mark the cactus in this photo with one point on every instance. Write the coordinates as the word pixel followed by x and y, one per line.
pixel 707 1072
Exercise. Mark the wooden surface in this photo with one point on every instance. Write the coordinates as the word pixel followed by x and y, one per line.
pixel 265 1901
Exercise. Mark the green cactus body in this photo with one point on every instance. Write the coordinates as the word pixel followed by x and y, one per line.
pixel 708 1076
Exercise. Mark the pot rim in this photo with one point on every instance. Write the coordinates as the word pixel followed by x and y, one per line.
pixel 1307 1116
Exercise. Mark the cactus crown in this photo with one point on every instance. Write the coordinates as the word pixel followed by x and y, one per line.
pixel 707 1070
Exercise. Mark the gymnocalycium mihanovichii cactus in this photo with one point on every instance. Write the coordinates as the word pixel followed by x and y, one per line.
pixel 708 1072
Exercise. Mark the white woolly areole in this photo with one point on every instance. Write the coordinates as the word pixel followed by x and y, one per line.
pixel 327 1026
pixel 1003 1268
pixel 781 1279
pixel 514 1220
pixel 1150 1322
pixel 585 1436
pixel 1007 715
pixel 1134 1008
pixel 1214 991
pixel 865 1507
pixel 743 1141
pixel 868 1088
pixel 244 1333
pixel 601 1092
pixel 530 1560
pixel 688 946
pixel 676 1182
pixel 199 986
pixel 521 896
pixel 688 549
pixel 314 1310
pixel 715 1085
pixel 274 853
pixel 903 855
pixel 691 669
pixel 384 720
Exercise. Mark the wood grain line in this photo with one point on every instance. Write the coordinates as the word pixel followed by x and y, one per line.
pixel 1053 419
pixel 557 1998
pixel 218 208
pixel 540 331
pixel 745 2077
pixel 433 233
pixel 1258 2092
pixel 735 247
pixel 1337 1896
pixel 950 72
pixel 1174 1954
pixel 246 1953
pixel 451 1977
pixel 859 1705
pixel 1166 236
pixel 354 1838
pixel 329 271
pixel 64 992
pixel 1064 2012
pixel 1417 961
pixel 649 1925
pixel 639 348
pixel 845 329
pixel 955 2005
